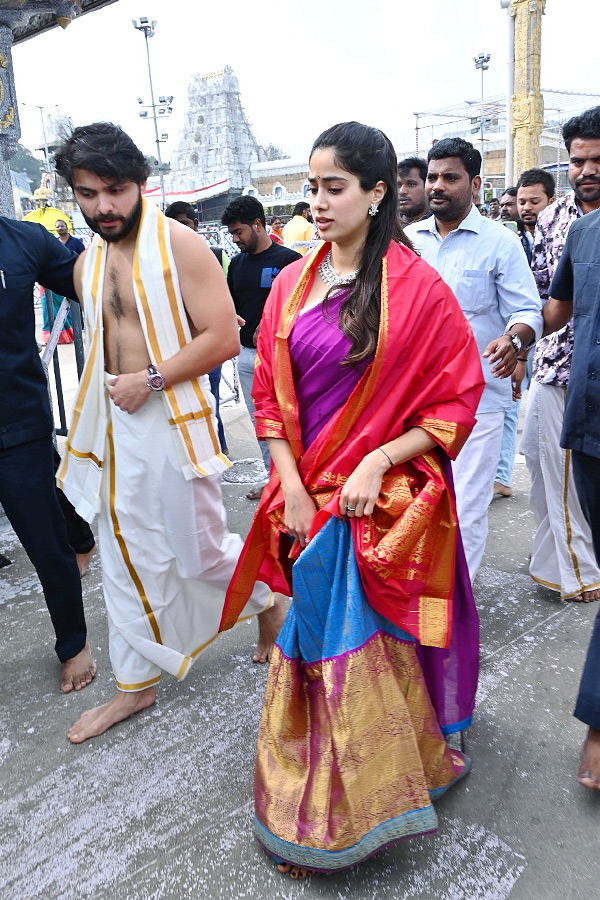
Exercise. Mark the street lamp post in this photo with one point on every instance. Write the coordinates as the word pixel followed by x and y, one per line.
pixel 142 24
pixel 481 62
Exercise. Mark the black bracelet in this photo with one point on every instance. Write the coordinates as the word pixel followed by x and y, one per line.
pixel 522 358
pixel 386 454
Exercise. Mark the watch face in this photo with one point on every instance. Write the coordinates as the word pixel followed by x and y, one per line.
pixel 155 380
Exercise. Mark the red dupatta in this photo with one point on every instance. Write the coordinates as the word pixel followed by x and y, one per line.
pixel 426 372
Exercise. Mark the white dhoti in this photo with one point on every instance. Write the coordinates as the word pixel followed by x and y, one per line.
pixel 563 555
pixel 167 556
pixel 474 471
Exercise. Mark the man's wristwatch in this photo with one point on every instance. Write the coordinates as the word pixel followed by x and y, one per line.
pixel 515 340
pixel 155 381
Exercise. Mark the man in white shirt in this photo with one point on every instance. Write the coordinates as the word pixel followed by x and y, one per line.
pixel 486 268
pixel 494 205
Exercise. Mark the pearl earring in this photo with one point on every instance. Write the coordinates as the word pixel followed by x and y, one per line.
pixel 373 209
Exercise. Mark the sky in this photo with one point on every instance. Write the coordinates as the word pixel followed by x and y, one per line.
pixel 301 66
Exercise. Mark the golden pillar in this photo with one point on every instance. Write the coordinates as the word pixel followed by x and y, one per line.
pixel 527 106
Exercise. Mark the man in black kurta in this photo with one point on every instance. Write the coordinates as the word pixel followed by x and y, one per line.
pixel 29 253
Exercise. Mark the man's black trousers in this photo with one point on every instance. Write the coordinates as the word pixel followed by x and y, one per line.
pixel 28 495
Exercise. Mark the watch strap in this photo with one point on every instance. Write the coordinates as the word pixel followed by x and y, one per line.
pixel 515 341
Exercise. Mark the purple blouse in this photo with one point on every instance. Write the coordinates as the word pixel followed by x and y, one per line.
pixel 317 350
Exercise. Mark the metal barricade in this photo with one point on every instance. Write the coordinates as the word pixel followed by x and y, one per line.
pixel 233 384
pixel 50 352
pixel 218 236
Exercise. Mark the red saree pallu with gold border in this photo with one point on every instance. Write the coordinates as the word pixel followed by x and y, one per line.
pixel 378 655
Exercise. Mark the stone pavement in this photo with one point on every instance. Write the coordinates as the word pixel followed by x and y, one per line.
pixel 160 808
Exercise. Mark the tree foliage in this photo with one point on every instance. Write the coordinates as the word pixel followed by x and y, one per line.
pixel 25 161
pixel 272 151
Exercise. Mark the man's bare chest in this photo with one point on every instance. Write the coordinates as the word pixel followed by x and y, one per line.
pixel 118 300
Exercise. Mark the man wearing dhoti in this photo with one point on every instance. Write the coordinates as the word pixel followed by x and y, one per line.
pixel 143 453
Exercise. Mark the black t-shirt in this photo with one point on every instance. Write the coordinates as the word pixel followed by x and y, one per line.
pixel 250 279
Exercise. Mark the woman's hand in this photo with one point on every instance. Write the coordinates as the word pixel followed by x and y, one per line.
pixel 299 510
pixel 299 513
pixel 360 493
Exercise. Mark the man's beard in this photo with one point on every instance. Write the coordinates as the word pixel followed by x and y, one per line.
pixel 453 211
pixel 591 196
pixel 250 245
pixel 412 210
pixel 128 223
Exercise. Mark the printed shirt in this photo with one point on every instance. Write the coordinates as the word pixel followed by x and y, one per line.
pixel 552 357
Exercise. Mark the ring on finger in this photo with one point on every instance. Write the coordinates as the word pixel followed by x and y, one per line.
pixel 350 509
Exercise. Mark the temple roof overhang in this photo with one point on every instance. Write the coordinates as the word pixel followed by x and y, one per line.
pixel 49 16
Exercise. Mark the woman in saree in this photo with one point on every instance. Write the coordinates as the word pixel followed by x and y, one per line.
pixel 366 384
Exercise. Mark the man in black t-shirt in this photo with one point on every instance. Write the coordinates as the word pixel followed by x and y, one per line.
pixel 250 277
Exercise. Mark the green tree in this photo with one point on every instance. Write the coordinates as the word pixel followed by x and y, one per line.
pixel 25 161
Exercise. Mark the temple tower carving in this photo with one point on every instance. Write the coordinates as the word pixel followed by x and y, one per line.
pixel 217 141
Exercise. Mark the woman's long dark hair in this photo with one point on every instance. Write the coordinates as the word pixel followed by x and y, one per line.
pixel 367 153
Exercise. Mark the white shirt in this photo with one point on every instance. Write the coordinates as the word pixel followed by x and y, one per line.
pixel 488 272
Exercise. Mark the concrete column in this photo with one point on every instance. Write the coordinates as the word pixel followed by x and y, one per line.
pixel 10 131
pixel 527 108
pixel 13 14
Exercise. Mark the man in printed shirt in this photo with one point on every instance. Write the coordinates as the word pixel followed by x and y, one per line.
pixel 563 556
pixel 487 270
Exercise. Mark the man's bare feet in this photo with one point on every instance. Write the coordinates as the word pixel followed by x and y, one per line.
pixel 589 770
pixel 96 721
pixel 77 672
pixel 587 596
pixel 269 626
pixel 295 872
pixel 83 560
pixel 502 490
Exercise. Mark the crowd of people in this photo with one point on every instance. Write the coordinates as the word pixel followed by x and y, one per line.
pixel 383 371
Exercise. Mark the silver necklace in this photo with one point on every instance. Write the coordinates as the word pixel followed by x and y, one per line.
pixel 331 277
